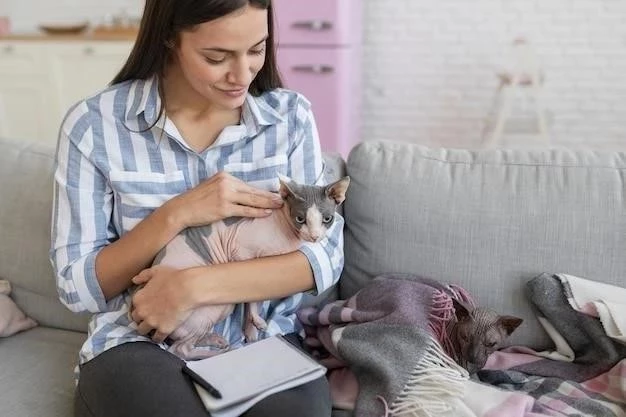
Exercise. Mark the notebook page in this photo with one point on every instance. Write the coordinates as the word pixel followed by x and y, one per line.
pixel 237 409
pixel 246 372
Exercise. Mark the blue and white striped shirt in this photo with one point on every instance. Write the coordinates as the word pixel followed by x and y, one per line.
pixel 111 173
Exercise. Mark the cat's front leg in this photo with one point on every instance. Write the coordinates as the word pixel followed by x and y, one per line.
pixel 184 347
pixel 194 346
pixel 253 321
pixel 210 345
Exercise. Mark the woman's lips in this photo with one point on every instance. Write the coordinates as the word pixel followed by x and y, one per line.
pixel 234 93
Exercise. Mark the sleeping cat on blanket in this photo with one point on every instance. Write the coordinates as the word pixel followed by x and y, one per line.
pixel 308 212
pixel 475 333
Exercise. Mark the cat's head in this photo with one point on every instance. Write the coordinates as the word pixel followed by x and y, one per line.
pixel 312 207
pixel 478 332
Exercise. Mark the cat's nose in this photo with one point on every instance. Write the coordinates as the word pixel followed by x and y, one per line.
pixel 315 237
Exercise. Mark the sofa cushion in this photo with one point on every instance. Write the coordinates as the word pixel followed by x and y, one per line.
pixel 26 173
pixel 37 377
pixel 489 220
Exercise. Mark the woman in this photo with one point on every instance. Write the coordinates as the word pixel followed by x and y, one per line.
pixel 192 130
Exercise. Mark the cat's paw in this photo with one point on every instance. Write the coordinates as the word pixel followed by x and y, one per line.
pixel 254 325
pixel 214 340
pixel 251 333
pixel 258 322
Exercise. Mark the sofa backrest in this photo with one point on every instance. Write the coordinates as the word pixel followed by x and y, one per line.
pixel 26 174
pixel 488 220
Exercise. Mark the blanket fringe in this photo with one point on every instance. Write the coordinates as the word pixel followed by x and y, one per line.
pixel 432 383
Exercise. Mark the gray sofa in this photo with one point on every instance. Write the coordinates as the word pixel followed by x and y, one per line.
pixel 487 220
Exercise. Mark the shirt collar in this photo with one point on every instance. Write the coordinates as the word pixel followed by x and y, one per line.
pixel 256 112
pixel 143 97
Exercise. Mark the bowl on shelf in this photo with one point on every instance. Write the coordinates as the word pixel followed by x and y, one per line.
pixel 63 28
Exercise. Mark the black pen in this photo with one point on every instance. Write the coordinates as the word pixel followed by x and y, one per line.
pixel 202 382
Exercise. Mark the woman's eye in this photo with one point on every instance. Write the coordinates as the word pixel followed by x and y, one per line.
pixel 257 51
pixel 299 220
pixel 214 60
pixel 328 219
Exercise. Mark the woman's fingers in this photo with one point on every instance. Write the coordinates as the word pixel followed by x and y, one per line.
pixel 247 211
pixel 223 196
pixel 246 194
pixel 143 277
pixel 263 200
pixel 159 337
pixel 144 328
pixel 135 316
pixel 247 201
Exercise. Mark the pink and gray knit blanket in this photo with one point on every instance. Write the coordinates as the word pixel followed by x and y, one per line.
pixel 382 347
pixel 385 335
pixel 585 373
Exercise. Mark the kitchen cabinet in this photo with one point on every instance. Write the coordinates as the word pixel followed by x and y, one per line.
pixel 40 79
pixel 23 98
pixel 82 68
pixel 24 92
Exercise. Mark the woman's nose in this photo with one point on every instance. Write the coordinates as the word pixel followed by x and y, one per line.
pixel 240 73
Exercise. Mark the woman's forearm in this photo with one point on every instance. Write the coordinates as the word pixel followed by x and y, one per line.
pixel 258 279
pixel 119 262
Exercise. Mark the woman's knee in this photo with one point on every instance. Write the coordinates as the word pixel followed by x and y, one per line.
pixel 136 379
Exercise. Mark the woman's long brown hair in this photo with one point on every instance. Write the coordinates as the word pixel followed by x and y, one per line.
pixel 161 24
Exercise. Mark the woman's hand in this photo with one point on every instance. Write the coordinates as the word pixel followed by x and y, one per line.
pixel 163 302
pixel 220 197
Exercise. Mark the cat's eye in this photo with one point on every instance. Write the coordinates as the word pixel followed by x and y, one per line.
pixel 491 344
pixel 299 219
pixel 328 219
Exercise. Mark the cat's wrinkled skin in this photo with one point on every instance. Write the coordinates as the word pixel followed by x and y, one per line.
pixel 308 212
pixel 475 333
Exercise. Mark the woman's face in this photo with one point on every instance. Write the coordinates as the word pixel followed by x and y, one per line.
pixel 219 59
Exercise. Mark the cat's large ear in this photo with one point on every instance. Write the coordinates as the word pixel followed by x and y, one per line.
pixel 337 190
pixel 286 186
pixel 509 323
pixel 461 311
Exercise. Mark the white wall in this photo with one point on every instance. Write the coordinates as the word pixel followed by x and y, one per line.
pixel 429 65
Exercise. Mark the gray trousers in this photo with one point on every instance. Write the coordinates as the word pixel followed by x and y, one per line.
pixel 140 379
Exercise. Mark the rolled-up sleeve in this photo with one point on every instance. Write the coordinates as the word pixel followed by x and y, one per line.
pixel 80 218
pixel 306 165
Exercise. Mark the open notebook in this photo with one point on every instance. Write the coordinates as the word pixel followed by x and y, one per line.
pixel 246 375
